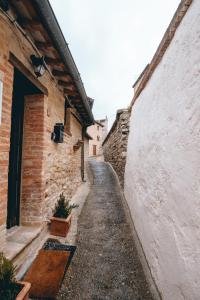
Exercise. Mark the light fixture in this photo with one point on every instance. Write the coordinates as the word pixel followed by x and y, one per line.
pixel 38 65
pixel 4 5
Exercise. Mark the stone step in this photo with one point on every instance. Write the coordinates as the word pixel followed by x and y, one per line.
pixel 22 245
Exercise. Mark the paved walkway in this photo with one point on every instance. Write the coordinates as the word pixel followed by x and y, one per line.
pixel 106 264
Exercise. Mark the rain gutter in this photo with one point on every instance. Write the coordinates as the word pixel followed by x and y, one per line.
pixel 51 24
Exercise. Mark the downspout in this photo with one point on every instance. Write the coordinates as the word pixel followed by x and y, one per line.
pixel 82 155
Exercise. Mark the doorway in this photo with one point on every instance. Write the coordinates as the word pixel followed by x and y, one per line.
pixel 94 150
pixel 21 87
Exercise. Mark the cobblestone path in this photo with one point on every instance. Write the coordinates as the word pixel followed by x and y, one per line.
pixel 106 265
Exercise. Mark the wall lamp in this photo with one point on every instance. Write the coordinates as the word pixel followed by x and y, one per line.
pixel 38 65
pixel 4 5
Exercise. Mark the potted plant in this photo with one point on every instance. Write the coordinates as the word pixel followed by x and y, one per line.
pixel 61 220
pixel 10 289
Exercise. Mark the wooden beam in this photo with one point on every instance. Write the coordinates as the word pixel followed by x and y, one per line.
pixel 29 22
pixel 77 116
pixel 68 84
pixel 28 6
pixel 76 102
pixel 70 92
pixel 77 97
pixel 68 103
pixel 65 74
pixel 60 73
pixel 53 61
pixel 43 45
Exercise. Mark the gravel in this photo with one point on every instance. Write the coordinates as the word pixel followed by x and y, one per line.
pixel 106 263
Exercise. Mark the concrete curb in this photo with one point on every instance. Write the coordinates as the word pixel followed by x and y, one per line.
pixel 79 198
pixel 152 285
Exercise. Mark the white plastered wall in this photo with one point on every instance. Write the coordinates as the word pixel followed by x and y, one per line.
pixel 162 177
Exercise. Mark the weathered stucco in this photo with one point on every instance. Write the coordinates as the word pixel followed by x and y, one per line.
pixel 162 176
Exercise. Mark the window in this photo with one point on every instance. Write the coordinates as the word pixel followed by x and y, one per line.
pixel 98 138
pixel 98 127
pixel 94 149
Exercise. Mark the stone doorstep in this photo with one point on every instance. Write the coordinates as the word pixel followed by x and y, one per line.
pixel 23 242
pixel 18 238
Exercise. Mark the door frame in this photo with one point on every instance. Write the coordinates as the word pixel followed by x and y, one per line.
pixel 15 158
pixel 94 150
pixel 41 89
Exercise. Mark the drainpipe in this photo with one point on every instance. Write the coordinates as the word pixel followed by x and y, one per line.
pixel 82 155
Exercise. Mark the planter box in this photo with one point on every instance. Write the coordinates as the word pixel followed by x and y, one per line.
pixel 59 226
pixel 24 293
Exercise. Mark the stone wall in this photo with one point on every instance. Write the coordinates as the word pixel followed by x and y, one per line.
pixel 162 176
pixel 115 144
pixel 63 167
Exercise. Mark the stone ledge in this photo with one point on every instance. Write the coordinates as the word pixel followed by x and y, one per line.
pixel 19 238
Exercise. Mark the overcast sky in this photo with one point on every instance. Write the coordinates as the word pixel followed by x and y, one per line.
pixel 111 42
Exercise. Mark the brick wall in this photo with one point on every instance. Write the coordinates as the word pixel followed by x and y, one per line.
pixel 33 178
pixel 115 144
pixel 6 75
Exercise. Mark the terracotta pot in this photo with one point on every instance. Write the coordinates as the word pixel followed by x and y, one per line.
pixel 60 226
pixel 24 293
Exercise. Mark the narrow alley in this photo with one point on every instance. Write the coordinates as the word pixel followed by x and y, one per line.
pixel 99 186
pixel 106 264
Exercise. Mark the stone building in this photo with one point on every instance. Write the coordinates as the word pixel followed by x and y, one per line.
pixel 44 114
pixel 87 139
pixel 104 122
pixel 115 143
pixel 98 132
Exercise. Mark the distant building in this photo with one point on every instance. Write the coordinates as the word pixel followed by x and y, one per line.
pixel 98 132
pixel 104 122
pixel 87 139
